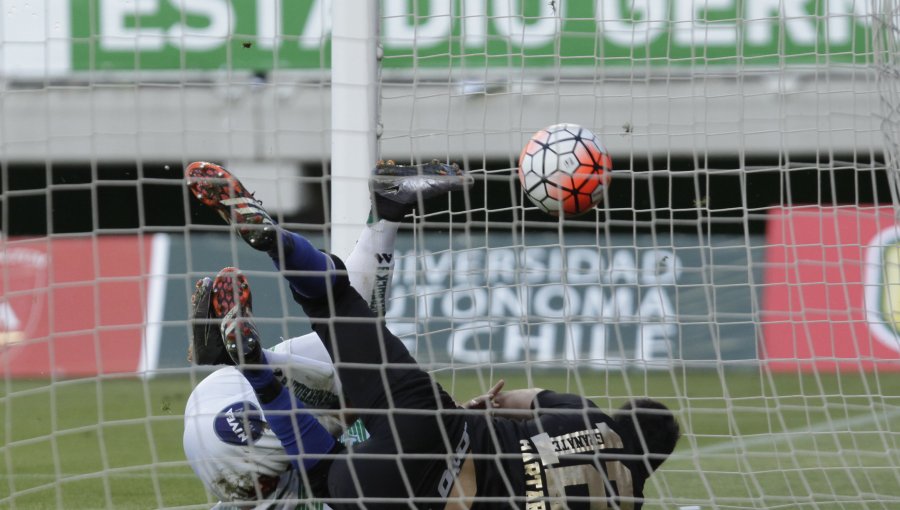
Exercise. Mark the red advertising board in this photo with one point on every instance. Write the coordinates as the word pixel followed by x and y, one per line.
pixel 73 307
pixel 827 299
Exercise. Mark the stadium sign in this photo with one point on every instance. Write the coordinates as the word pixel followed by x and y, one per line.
pixel 60 36
pixel 882 286
pixel 21 312
pixel 60 316
pixel 641 300
pixel 830 301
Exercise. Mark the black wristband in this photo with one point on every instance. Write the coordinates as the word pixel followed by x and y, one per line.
pixel 270 392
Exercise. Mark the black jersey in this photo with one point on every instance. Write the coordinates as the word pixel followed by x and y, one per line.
pixel 572 456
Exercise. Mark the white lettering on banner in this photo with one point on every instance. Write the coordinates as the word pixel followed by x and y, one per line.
pixel 117 17
pixel 474 16
pixel 220 25
pixel 403 29
pixel 116 33
pixel 128 26
pixel 653 18
pixel 652 342
pixel 691 28
pixel 501 315
pixel 619 305
pixel 474 342
pixel 507 302
pixel 764 16
pixel 839 12
pixel 536 343
pixel 465 303
pixel 647 20
pixel 513 26
pixel 539 265
pixel 470 343
pixel 9 321
pixel 318 25
pixel 622 268
pixel 268 23
pixel 25 256
pixel 556 301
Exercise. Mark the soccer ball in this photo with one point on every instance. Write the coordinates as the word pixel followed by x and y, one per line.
pixel 565 170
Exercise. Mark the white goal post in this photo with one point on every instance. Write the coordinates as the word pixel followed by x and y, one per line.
pixel 354 116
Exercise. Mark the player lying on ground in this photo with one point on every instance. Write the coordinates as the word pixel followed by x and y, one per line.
pixel 422 449
pixel 226 439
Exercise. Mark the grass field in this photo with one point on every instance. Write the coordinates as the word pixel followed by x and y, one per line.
pixel 751 440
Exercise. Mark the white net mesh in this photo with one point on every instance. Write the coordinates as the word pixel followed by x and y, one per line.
pixel 742 269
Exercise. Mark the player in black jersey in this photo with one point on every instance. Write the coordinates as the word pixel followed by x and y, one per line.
pixel 424 450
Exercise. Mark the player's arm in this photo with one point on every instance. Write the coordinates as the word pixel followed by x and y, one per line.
pixel 521 399
pixel 522 403
pixel 510 404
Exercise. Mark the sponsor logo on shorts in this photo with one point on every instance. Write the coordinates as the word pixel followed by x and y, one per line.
pixel 240 423
pixel 452 472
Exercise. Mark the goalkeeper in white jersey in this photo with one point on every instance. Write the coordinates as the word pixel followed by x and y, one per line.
pixel 227 440
pixel 423 450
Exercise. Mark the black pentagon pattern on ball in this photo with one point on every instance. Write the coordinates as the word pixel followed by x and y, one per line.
pixel 558 186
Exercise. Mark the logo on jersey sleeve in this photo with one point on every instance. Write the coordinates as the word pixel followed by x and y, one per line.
pixel 240 423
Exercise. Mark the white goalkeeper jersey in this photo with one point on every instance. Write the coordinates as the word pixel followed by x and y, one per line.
pixel 227 440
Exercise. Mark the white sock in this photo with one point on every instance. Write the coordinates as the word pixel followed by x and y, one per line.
pixel 371 262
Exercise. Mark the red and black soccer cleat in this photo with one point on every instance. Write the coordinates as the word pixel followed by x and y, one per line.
pixel 231 300
pixel 241 338
pixel 229 290
pixel 217 188
pixel 206 338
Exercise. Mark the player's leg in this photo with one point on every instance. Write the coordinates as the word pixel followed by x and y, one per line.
pixel 370 264
pixel 397 189
pixel 295 426
pixel 360 347
pixel 377 374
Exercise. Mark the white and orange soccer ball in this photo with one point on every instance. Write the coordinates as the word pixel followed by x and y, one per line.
pixel 565 170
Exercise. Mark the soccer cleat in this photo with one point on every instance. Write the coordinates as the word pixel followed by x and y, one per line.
pixel 231 300
pixel 206 340
pixel 215 187
pixel 397 188
pixel 241 338
pixel 229 290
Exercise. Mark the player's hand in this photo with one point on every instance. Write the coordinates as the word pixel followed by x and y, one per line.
pixel 517 401
pixel 485 401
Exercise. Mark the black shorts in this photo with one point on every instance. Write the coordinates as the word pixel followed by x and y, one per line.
pixel 412 445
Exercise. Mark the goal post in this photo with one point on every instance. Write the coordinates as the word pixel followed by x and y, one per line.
pixel 354 117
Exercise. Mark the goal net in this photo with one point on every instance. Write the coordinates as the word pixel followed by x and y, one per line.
pixel 742 269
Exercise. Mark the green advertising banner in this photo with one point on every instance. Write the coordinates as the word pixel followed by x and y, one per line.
pixel 631 300
pixel 262 35
pixel 634 300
